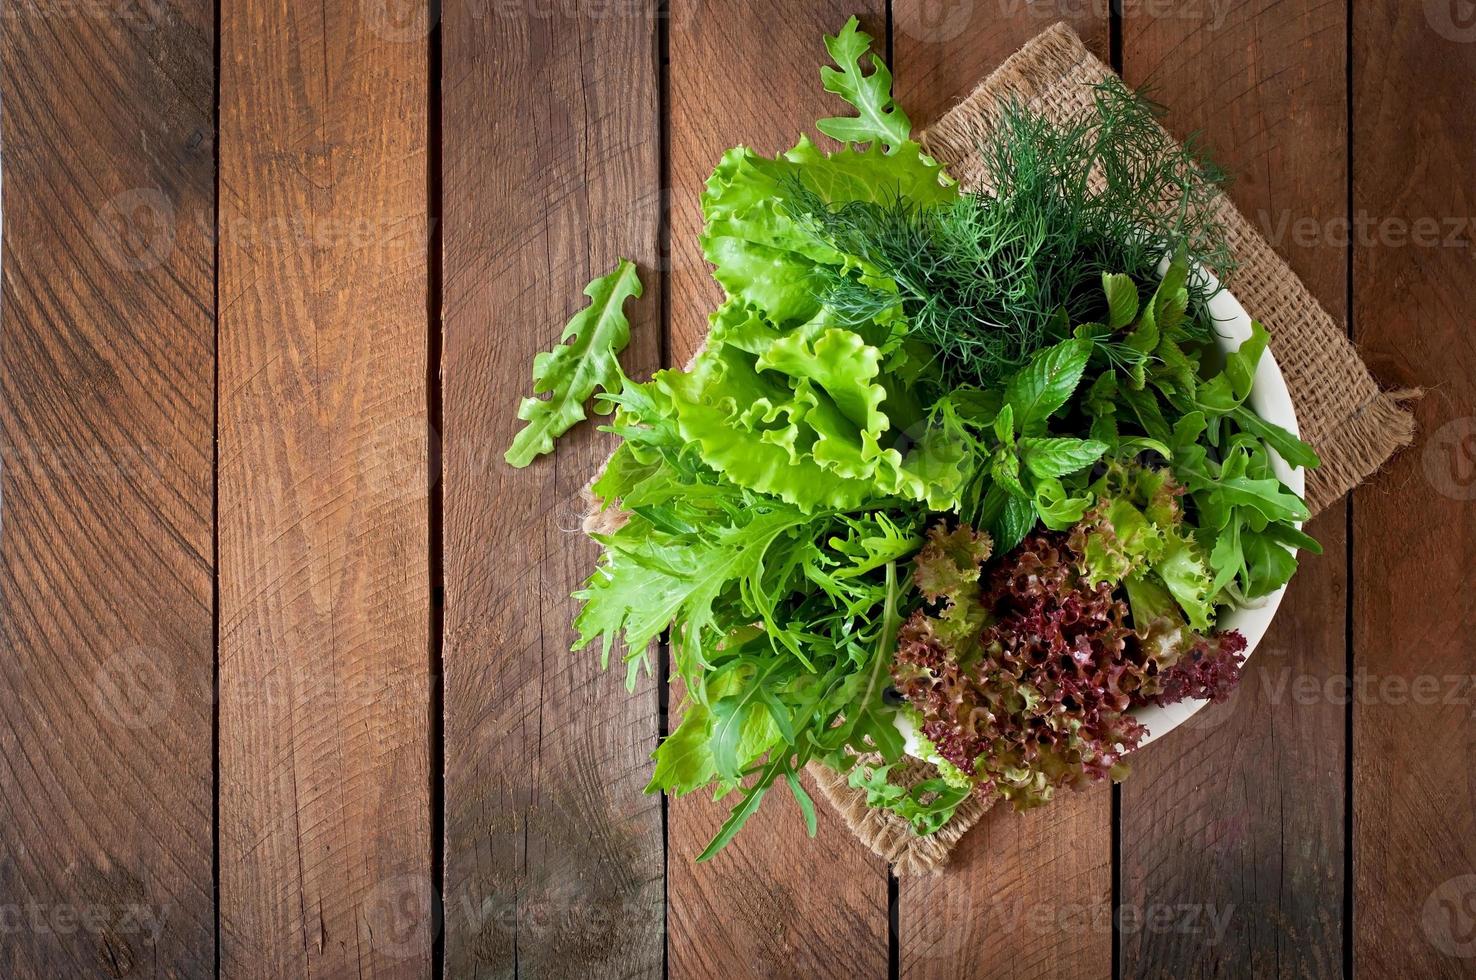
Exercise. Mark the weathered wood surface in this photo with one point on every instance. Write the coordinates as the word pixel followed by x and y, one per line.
pixel 554 857
pixel 324 649
pixel 106 564
pixel 774 903
pixel 280 747
pixel 1231 836
pixel 1414 532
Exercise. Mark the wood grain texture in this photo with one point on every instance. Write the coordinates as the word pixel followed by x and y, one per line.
pixel 774 903
pixel 554 856
pixel 945 48
pixel 1024 895
pixel 324 579
pixel 105 476
pixel 1414 793
pixel 1232 843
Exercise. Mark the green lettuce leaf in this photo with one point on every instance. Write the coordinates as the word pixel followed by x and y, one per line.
pixel 802 419
pixel 764 255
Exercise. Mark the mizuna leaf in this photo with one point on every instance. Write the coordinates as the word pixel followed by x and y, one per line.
pixel 684 759
pixel 583 362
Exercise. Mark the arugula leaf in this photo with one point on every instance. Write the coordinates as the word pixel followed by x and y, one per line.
pixel 1224 392
pixel 583 361
pixel 806 805
pixel 1269 564
pixel 747 806
pixel 733 716
pixel 881 120
pixel 1289 447
pixel 927 806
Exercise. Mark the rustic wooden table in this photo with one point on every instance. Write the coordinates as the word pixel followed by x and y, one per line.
pixel 285 686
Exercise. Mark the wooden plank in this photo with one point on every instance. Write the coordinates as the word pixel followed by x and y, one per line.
pixel 944 50
pixel 554 856
pixel 1024 895
pixel 774 902
pixel 1232 828
pixel 1414 788
pixel 324 577
pixel 106 417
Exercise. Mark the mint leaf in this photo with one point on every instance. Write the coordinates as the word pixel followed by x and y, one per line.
pixel 1122 299
pixel 1007 517
pixel 1171 301
pixel 583 361
pixel 1051 457
pixel 1004 426
pixel 881 120
pixel 1045 384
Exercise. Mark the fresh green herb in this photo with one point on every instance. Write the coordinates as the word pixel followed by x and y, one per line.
pixel 896 363
pixel 584 362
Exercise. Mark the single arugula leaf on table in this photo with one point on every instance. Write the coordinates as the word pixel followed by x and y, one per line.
pixel 582 363
pixel 881 120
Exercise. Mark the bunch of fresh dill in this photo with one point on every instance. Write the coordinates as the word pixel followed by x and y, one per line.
pixel 990 278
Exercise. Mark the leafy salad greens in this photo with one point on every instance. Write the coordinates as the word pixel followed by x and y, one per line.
pixel 957 475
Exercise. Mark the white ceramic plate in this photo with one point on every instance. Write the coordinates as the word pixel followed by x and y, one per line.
pixel 1270 400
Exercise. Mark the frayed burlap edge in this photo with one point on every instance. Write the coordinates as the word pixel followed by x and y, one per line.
pixel 1354 426
pixel 887 834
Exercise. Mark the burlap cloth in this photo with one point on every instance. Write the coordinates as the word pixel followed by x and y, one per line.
pixel 1353 425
